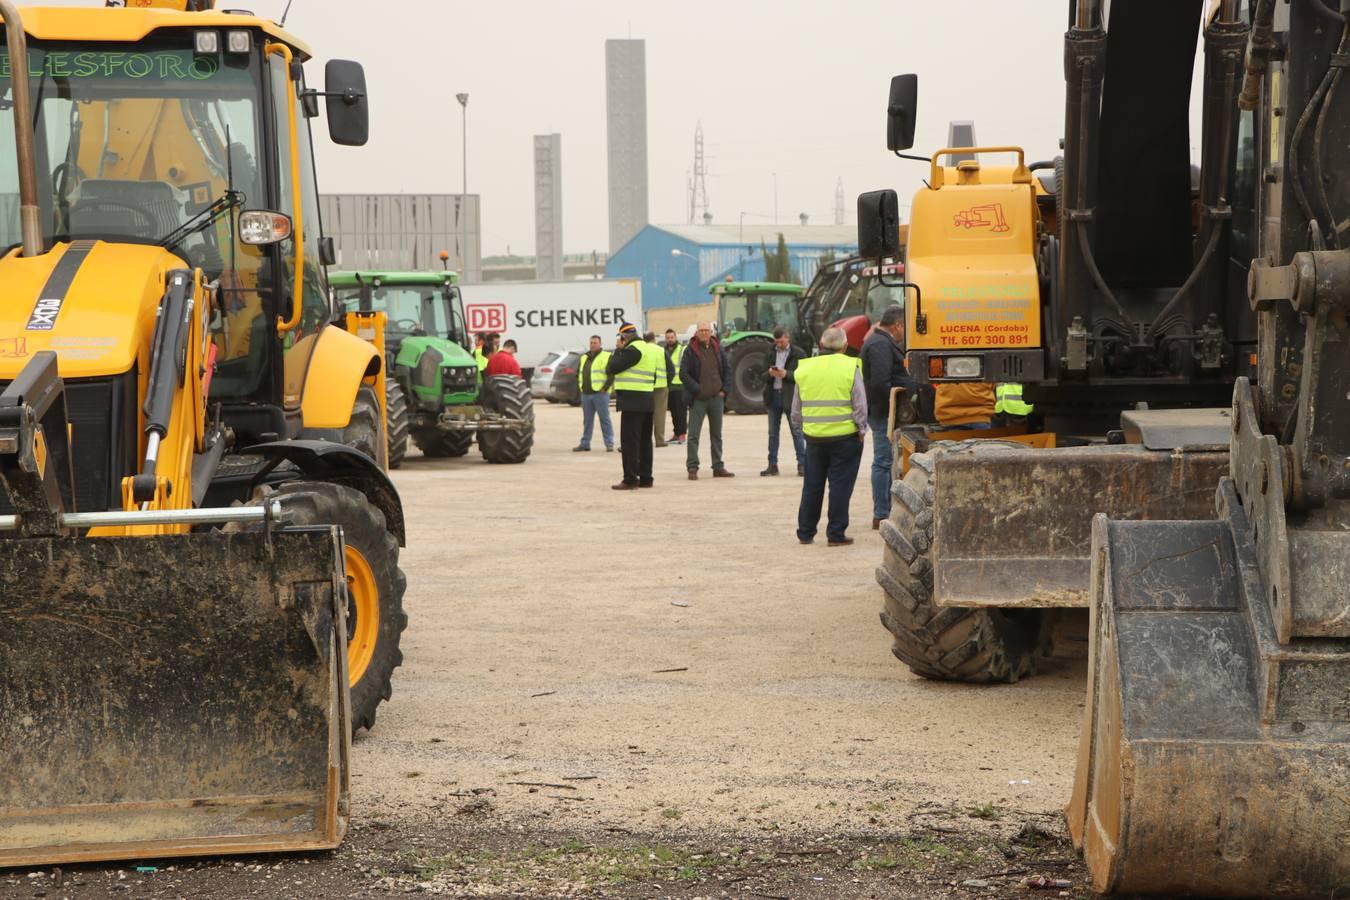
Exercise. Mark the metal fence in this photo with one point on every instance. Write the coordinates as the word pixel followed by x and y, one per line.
pixel 402 231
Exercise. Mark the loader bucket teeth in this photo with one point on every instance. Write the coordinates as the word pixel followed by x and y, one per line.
pixel 172 696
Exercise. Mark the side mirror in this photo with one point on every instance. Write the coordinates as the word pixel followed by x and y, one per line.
pixel 327 252
pixel 900 112
pixel 348 110
pixel 879 225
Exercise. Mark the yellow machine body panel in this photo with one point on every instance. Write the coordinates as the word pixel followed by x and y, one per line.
pixel 94 304
pixel 971 251
pixel 133 24
pixel 95 328
pixel 339 365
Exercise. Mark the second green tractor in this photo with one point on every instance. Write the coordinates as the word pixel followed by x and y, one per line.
pixel 436 394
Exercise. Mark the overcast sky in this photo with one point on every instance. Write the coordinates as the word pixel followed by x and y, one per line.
pixel 789 87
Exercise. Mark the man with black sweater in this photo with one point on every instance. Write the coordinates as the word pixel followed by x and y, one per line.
pixel 778 388
pixel 883 366
pixel 634 365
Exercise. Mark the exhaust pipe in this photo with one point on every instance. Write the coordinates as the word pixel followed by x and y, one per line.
pixel 29 221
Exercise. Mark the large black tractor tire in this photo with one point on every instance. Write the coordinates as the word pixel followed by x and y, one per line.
pixel 375 585
pixel 509 396
pixel 440 444
pixel 979 645
pixel 396 419
pixel 363 431
pixel 747 370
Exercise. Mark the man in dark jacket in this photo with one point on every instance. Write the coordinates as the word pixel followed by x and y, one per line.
pixel 883 365
pixel 778 388
pixel 633 366
pixel 703 369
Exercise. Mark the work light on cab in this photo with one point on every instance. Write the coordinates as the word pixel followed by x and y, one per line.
pixel 206 43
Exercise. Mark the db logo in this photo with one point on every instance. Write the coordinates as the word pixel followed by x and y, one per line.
pixel 486 317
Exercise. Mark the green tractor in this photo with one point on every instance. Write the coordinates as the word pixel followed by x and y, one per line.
pixel 435 394
pixel 747 314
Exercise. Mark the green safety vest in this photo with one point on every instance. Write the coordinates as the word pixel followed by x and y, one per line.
pixel 1008 400
pixel 641 378
pixel 598 376
pixel 675 356
pixel 482 360
pixel 825 389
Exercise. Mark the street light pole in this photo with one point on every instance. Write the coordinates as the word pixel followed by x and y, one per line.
pixel 464 195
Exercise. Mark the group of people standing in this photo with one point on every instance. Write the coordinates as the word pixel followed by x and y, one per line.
pixel 831 401
pixel 650 380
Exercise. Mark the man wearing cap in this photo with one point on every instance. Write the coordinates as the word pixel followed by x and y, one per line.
pixel 634 366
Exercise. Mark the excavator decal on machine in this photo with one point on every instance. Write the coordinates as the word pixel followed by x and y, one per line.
pixel 988 216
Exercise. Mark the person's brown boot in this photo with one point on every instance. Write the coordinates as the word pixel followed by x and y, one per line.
pixel 844 543
pixel 693 476
pixel 876 524
pixel 723 473
pixel 771 470
pixel 625 486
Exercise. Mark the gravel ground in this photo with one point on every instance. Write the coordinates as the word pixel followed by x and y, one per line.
pixel 601 686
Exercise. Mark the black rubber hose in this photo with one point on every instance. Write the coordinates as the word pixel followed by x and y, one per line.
pixel 1320 7
pixel 1189 283
pixel 1319 181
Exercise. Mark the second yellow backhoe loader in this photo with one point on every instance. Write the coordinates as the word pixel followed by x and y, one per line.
pixel 200 596
pixel 1184 340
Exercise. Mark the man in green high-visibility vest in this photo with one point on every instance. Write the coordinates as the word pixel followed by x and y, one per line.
pixel 830 408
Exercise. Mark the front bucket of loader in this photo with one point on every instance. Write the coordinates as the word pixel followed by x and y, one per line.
pixel 172 696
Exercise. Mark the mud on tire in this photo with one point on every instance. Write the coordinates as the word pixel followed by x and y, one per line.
pixel 364 530
pixel 509 396
pixel 396 419
pixel 363 430
pixel 979 645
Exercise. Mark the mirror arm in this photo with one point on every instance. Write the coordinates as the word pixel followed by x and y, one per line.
pixel 349 96
pixel 922 159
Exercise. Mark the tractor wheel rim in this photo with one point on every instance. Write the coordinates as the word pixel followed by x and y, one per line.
pixel 363 605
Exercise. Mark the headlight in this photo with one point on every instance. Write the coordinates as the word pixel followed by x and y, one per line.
pixel 962 366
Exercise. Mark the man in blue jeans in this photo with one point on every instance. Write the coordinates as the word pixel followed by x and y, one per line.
pixel 778 388
pixel 883 365
pixel 595 385
pixel 830 407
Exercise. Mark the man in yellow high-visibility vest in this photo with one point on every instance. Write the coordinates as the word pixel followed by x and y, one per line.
pixel 830 407
pixel 634 366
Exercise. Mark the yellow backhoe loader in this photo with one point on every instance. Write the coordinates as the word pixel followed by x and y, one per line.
pixel 200 597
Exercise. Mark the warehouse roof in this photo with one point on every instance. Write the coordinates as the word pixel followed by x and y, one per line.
pixel 733 233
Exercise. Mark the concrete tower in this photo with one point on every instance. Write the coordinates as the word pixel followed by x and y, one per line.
pixel 626 108
pixel 548 230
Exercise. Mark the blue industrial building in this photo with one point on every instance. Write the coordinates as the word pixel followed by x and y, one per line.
pixel 678 263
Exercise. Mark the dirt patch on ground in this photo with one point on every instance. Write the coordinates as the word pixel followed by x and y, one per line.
pixel 669 670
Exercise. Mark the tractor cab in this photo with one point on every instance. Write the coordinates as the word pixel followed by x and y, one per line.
pixel 747 314
pixel 416 304
pixel 748 307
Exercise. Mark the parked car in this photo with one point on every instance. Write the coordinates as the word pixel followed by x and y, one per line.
pixel 565 387
pixel 543 374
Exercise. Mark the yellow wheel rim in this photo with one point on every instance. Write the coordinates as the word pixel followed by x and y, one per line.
pixel 363 606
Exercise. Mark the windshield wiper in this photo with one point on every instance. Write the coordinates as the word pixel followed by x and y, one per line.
pixel 224 204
